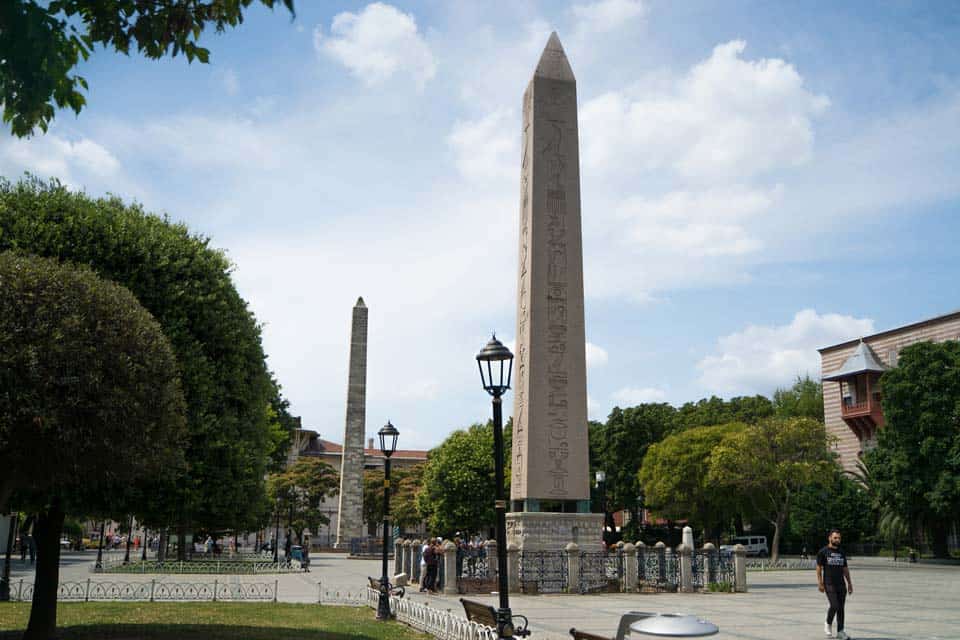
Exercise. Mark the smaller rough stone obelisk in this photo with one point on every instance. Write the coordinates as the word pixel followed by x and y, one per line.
pixel 350 512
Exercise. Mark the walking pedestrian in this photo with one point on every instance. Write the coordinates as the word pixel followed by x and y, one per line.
pixel 832 571
pixel 431 559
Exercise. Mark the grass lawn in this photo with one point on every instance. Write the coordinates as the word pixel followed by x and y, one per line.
pixel 209 620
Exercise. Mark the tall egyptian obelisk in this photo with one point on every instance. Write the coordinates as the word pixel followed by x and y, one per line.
pixel 550 486
pixel 350 512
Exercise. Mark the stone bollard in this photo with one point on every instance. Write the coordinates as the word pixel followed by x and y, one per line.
pixel 687 538
pixel 740 568
pixel 661 550
pixel 710 551
pixel 491 547
pixel 513 567
pixel 686 570
pixel 408 558
pixel 629 568
pixel 573 567
pixel 449 567
pixel 398 556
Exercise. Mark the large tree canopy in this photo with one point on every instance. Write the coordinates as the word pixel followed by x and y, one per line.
pixel 299 492
pixel 713 411
pixel 674 478
pixel 405 484
pixel 186 285
pixel 915 468
pixel 89 401
pixel 458 481
pixel 42 42
pixel 620 445
pixel 769 463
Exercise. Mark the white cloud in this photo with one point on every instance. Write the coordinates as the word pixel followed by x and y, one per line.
pixel 76 163
pixel 632 396
pixel 607 15
pixel 726 117
pixel 762 358
pixel 596 356
pixel 487 148
pixel 377 43
pixel 230 81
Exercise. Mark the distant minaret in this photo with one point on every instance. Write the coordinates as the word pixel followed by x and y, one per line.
pixel 350 515
pixel 550 486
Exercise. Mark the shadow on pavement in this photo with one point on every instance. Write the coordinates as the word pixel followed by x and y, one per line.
pixel 189 631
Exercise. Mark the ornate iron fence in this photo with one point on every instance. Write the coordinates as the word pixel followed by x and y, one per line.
pixel 600 571
pixel 763 564
pixel 152 591
pixel 199 566
pixel 477 575
pixel 658 569
pixel 543 571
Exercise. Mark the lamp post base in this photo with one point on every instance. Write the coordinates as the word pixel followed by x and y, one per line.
pixel 504 623
pixel 383 606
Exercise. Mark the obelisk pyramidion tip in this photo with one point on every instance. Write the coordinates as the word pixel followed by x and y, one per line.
pixel 553 62
pixel 360 302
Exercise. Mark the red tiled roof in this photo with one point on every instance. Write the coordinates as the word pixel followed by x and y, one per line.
pixel 332 447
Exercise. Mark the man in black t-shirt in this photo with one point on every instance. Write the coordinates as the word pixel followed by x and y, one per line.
pixel 832 571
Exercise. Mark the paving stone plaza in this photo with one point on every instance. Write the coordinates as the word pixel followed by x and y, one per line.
pixel 891 600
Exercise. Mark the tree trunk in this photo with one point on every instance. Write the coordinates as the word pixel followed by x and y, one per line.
pixel 181 542
pixel 775 544
pixel 162 546
pixel 939 534
pixel 43 612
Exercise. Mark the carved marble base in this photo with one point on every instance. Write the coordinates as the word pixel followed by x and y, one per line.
pixel 536 531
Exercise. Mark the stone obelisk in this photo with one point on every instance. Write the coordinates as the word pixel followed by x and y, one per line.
pixel 350 512
pixel 550 486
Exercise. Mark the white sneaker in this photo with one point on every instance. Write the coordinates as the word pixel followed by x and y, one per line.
pixel 827 632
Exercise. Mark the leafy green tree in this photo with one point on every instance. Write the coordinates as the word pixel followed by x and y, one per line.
pixel 42 42
pixel 299 492
pixel 187 287
pixel 769 463
pixel 82 367
pixel 915 466
pixel 835 501
pixel 803 400
pixel 405 485
pixel 620 446
pixel 713 411
pixel 674 478
pixel 458 481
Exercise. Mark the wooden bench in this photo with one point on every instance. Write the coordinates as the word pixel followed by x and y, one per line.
pixel 374 583
pixel 486 615
pixel 583 635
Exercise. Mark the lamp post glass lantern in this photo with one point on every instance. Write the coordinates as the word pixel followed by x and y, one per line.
pixel 388 444
pixel 496 366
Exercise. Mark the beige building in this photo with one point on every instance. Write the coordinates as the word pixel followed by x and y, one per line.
pixel 852 403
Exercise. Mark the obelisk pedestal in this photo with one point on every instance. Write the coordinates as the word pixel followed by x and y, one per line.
pixel 350 512
pixel 550 486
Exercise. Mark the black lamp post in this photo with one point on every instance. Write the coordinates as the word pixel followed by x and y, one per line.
pixel 99 564
pixel 601 477
pixel 496 366
pixel 388 444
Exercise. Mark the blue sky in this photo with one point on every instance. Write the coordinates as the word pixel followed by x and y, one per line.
pixel 758 180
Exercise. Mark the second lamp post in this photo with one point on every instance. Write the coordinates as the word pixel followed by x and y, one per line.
pixel 496 365
pixel 388 444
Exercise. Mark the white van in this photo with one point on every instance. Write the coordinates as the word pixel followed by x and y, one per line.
pixel 755 545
